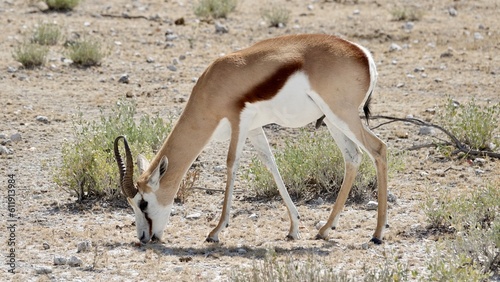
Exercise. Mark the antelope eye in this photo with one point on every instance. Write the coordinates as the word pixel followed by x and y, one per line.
pixel 143 205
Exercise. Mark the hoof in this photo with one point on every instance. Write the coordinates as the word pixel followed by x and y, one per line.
pixel 290 238
pixel 319 237
pixel 386 225
pixel 376 241
pixel 211 240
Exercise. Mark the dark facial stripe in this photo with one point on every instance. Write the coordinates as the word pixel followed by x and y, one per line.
pixel 268 88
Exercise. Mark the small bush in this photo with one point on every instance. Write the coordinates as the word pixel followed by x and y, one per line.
pixel 310 164
pixel 31 55
pixel 88 165
pixel 472 124
pixel 406 14
pixel 86 53
pixel 62 5
pixel 46 34
pixel 276 15
pixel 475 220
pixel 215 8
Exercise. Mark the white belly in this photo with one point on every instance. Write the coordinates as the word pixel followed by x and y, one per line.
pixel 291 107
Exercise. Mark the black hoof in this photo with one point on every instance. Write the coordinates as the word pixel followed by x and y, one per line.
pixel 387 226
pixel 289 238
pixel 319 237
pixel 211 240
pixel 376 241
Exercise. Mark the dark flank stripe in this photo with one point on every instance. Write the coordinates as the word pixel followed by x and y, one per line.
pixel 268 88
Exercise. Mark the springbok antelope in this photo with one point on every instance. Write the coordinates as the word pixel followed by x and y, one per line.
pixel 292 81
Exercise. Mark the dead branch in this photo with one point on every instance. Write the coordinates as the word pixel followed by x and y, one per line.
pixel 461 147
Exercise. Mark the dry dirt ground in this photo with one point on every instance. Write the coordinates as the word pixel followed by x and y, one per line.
pixel 455 56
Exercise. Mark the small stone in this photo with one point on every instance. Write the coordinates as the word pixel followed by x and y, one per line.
pixel 356 12
pixel 426 130
pixel 395 47
pixel 46 246
pixel 423 173
pixel 319 201
pixel 371 205
pixel 3 136
pixel 480 161
pixel 172 67
pixel 452 12
pixel 182 57
pixel 179 21
pixel 253 217
pixel 5 151
pixel 193 215
pixel 11 69
pixel 478 36
pixel 74 261
pixel 42 119
pixel 220 28
pixel 175 61
pixel 59 260
pixel 430 110
pixel 150 60
pixel 479 171
pixel 401 134
pixel 400 85
pixel 241 251
pixel 219 168
pixel 16 137
pixel 408 25
pixel 364 246
pixel 42 6
pixel 310 7
pixel 43 270
pixel 124 78
pixel 419 69
pixel 170 37
pixel 84 246
pixel 391 197
pixel 320 224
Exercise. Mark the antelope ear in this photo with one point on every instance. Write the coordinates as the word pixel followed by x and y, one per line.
pixel 158 173
pixel 142 163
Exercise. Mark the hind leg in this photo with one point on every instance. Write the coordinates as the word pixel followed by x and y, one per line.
pixel 258 139
pixel 352 158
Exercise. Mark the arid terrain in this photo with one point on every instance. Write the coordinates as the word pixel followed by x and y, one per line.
pixel 451 51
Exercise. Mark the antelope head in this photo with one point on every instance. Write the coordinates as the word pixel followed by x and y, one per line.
pixel 151 216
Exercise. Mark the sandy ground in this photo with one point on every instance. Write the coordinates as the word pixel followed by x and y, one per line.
pixel 441 56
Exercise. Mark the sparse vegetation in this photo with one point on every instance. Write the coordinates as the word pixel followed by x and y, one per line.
pixel 474 219
pixel 311 165
pixel 86 53
pixel 46 34
pixel 88 166
pixel 276 15
pixel 406 14
pixel 472 124
pixel 62 5
pixel 31 55
pixel 215 8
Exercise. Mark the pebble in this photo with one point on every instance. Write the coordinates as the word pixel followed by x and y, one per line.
pixel 320 224
pixel 16 137
pixel 42 119
pixel 172 67
pixel 408 25
pixel 124 78
pixel 219 168
pixel 46 246
pixel 193 215
pixel 426 130
pixel 241 251
pixel 391 197
pixel 11 69
pixel 43 270
pixel 74 261
pixel 364 246
pixel 42 6
pixel 220 28
pixel 150 60
pixel 395 47
pixel 478 36
pixel 84 246
pixel 371 205
pixel 452 12
pixel 59 260
pixel 253 217
pixel 5 151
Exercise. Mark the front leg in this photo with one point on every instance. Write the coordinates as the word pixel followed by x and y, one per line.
pixel 239 134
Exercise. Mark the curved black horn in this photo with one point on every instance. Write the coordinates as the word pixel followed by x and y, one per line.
pixel 126 170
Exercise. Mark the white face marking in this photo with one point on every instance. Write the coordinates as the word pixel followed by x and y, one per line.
pixel 290 107
pixel 152 220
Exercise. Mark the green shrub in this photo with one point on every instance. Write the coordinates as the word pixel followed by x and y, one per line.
pixel 46 34
pixel 31 55
pixel 276 15
pixel 88 165
pixel 472 124
pixel 214 8
pixel 475 221
pixel 62 5
pixel 86 53
pixel 310 165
